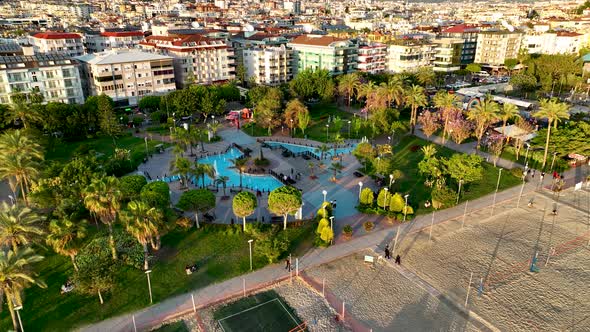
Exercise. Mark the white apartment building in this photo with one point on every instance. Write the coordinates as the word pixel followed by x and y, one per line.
pixel 336 55
pixel 494 47
pixel 64 43
pixel 562 42
pixel 409 55
pixel 268 66
pixel 209 60
pixel 126 75
pixel 372 58
pixel 447 56
pixel 56 76
pixel 109 40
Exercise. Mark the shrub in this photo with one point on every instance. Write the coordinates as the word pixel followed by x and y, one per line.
pixel 396 203
pixel 156 194
pixel 347 230
pixel 382 198
pixel 516 172
pixel 368 225
pixel 399 217
pixel 443 197
pixel 367 196
pixel 327 235
pixel 131 185
pixel 321 225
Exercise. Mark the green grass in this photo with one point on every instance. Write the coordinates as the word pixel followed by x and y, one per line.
pixel 266 312
pixel 405 160
pixel 221 253
pixel 179 326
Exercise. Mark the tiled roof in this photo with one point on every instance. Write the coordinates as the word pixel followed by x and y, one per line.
pixel 122 33
pixel 461 28
pixel 57 35
pixel 316 40
pixel 568 34
pixel 120 56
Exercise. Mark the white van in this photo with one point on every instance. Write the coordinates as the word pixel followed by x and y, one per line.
pixel 482 73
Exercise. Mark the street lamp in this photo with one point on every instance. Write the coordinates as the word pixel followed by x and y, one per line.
pixel 496 192
pixel 20 322
pixel 378 162
pixel 391 180
pixel 12 200
pixel 526 157
pixel 146 147
pixel 291 127
pixel 360 189
pixel 385 199
pixel 406 206
pixel 147 272
pixel 332 228
pixel 327 134
pixel 250 245
pixel 349 122
pixel 213 118
pixel 325 193
pixel 459 191
pixel 389 138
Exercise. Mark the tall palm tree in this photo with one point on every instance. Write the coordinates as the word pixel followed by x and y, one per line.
pixel 240 164
pixel 507 111
pixel 202 170
pixel 554 111
pixel 198 136
pixel 23 109
pixel 20 170
pixel 222 180
pixel 64 237
pixel 17 142
pixel 425 76
pixel 103 199
pixel 142 222
pixel 336 168
pixel 322 150
pixel 369 92
pixel 311 167
pixel 447 103
pixel 183 168
pixel 215 126
pixel 482 114
pixel 182 138
pixel 348 85
pixel 393 91
pixel 337 141
pixel 429 151
pixel 18 225
pixel 415 98
pixel 16 276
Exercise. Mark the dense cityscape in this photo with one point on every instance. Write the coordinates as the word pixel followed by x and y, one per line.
pixel 294 165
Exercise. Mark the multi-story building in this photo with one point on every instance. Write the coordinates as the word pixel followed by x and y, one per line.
pixel 468 34
pixel 447 56
pixel 57 42
pixel 55 76
pixel 337 56
pixel 372 57
pixel 494 47
pixel 407 55
pixel 253 40
pixel 126 75
pixel 109 40
pixel 209 60
pixel 269 65
pixel 561 42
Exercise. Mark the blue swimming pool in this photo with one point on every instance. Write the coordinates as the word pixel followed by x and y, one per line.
pixel 223 167
pixel 296 148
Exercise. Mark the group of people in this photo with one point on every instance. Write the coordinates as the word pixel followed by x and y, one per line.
pixel 398 259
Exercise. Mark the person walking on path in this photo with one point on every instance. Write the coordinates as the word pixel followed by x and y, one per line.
pixel 387 253
pixel 398 260
pixel 288 265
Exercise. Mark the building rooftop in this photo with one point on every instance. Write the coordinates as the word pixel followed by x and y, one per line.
pixel 34 61
pixel 461 28
pixel 57 35
pixel 122 34
pixel 120 56
pixel 316 40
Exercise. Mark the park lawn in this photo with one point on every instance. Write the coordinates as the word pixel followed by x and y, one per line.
pixel 178 326
pixel 103 145
pixel 406 160
pixel 221 252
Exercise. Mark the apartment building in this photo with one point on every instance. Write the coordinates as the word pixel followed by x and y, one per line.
pixel 337 56
pixel 254 40
pixel 372 57
pixel 56 76
pixel 126 75
pixel 447 56
pixel 109 40
pixel 494 47
pixel 561 42
pixel 407 55
pixel 209 60
pixel 69 44
pixel 269 66
pixel 468 33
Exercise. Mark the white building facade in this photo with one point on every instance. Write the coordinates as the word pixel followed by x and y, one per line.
pixel 268 66
pixel 69 44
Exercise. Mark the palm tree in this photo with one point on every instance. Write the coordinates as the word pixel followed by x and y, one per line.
pixel 336 142
pixel 103 199
pixel 183 168
pixel 553 111
pixel 348 85
pixel 16 276
pixel 447 103
pixel 322 150
pixel 369 92
pixel 202 170
pixel 142 222
pixel 20 171
pixel 311 167
pixel 507 112
pixel 240 165
pixel 336 168
pixel 64 237
pixel 415 97
pixel 222 180
pixel 215 126
pixel 484 113
pixel 17 142
pixel 393 91
pixel 198 136
pixel 425 76
pixel 22 108
pixel 182 138
pixel 429 151
pixel 18 225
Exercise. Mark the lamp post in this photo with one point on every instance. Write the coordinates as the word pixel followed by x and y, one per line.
pixel 174 119
pixel 250 246
pixel 147 272
pixel 526 156
pixel 327 134
pixel 378 162
pixel 12 200
pixel 349 122
pixel 385 199
pixel 391 180
pixel 213 118
pixel 325 193
pixel 389 138
pixel 291 127
pixel 146 147
pixel 459 191
pixel 496 192
pixel 406 206
pixel 20 322
pixel 332 228
pixel 360 189
pixel 553 161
